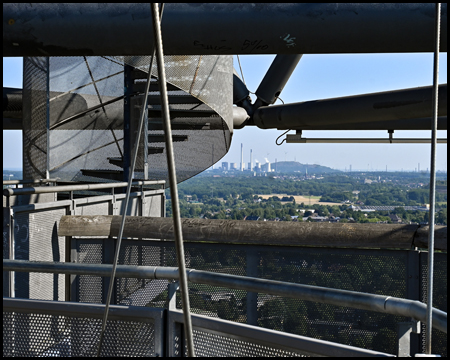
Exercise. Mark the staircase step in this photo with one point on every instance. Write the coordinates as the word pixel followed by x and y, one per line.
pixel 160 138
pixel 104 174
pixel 153 151
pixel 158 125
pixel 174 100
pixel 175 113
pixel 118 161
pixel 138 74
pixel 140 87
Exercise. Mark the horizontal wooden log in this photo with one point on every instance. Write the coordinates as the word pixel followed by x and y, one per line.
pixel 352 235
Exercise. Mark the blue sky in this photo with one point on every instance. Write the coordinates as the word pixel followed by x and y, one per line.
pixel 316 77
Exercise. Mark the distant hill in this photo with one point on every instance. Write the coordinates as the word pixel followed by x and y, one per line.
pixel 296 167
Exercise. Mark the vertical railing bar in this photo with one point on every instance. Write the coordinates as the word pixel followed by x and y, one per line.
pixel 429 327
pixel 173 181
pixel 47 119
pixel 12 255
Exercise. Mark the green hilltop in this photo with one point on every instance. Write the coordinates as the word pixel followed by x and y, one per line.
pixel 294 166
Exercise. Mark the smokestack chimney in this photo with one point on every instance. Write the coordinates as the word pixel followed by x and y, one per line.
pixel 251 159
pixel 242 157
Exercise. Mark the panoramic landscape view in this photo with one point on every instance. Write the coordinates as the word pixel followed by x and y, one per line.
pixel 321 195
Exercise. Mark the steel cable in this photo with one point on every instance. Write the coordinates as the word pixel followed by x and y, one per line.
pixel 178 235
pixel 127 197
pixel 433 181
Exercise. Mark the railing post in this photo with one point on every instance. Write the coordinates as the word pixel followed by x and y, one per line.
pixel 12 256
pixel 174 340
pixel 413 292
pixel 404 332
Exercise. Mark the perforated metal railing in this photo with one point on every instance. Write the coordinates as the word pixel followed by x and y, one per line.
pixel 40 328
pixel 32 230
pixel 386 272
pixel 250 337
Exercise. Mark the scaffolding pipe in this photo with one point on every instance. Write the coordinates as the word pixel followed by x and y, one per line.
pixel 433 180
pixel 357 300
pixel 178 235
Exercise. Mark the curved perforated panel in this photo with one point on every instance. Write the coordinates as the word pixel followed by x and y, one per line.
pixel 77 110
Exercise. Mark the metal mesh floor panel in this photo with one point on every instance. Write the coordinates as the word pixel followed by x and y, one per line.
pixel 51 335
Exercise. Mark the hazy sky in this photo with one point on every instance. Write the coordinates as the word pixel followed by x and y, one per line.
pixel 316 77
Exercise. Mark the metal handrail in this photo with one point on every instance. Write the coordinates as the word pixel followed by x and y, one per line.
pixel 37 181
pixel 52 189
pixel 358 300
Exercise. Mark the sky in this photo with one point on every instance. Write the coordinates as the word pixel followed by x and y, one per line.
pixel 316 77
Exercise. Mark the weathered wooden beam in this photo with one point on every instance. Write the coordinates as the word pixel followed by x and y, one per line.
pixel 258 232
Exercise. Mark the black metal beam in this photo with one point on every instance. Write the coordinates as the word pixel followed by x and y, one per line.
pixel 406 109
pixel 57 29
pixel 12 109
pixel 276 78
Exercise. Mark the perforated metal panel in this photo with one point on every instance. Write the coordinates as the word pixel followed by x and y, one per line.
pixel 90 288
pixel 208 344
pixel 36 239
pixel 380 272
pixel 35 127
pixel 373 271
pixel 138 292
pixel 83 100
pixel 101 208
pixel 51 335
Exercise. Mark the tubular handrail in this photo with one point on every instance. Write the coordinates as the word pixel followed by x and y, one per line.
pixel 37 181
pixel 358 300
pixel 53 189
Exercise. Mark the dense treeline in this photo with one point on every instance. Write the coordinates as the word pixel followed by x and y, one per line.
pixel 235 197
pixel 333 188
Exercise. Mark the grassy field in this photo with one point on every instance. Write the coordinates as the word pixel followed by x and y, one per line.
pixel 301 199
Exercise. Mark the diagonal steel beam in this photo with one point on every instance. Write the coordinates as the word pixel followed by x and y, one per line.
pixel 275 79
